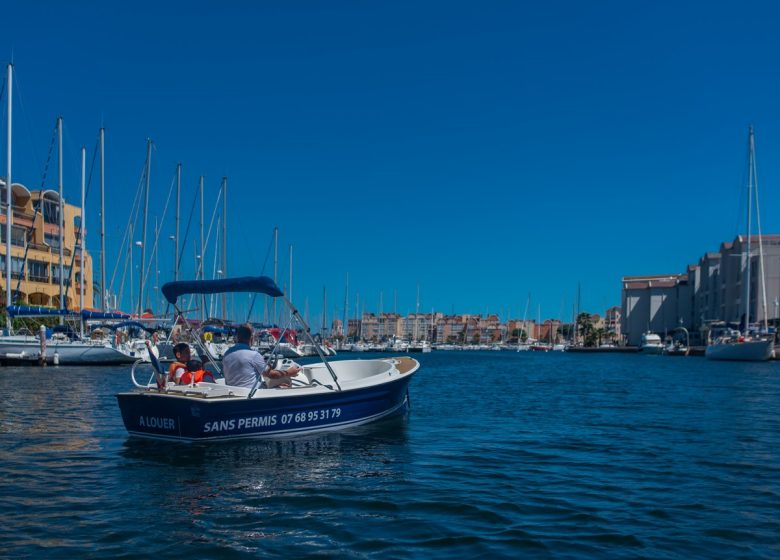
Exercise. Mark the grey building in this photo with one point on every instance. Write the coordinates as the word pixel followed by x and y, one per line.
pixel 712 290
pixel 658 304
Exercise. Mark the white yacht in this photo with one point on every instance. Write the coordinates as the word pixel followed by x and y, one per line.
pixel 651 344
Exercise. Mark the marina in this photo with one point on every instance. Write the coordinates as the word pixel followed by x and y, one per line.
pixel 383 281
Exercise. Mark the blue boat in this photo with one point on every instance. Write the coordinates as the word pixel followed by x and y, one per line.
pixel 323 396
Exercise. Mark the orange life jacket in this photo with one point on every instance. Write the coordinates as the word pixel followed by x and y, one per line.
pixel 200 375
pixel 172 370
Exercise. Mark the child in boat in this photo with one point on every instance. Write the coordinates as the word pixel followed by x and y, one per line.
pixel 182 353
pixel 195 371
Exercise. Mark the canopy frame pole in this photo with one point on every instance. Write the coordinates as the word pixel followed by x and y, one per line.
pixel 307 333
pixel 271 356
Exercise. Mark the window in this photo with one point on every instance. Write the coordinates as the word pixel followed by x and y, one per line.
pixel 55 274
pixel 17 266
pixel 52 240
pixel 38 271
pixel 18 235
pixel 51 211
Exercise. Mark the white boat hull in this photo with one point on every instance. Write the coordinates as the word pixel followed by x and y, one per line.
pixel 68 353
pixel 747 351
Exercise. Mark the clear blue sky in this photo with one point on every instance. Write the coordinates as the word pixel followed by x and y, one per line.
pixel 483 150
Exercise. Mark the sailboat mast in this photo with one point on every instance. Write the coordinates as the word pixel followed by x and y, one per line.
pixel 276 264
pixel 202 260
pixel 344 328
pixel 751 155
pixel 8 199
pixel 82 229
pixel 224 248
pixel 290 288
pixel 102 220
pixel 176 236
pixel 143 235
pixel 417 314
pixel 760 250
pixel 61 213
pixel 324 311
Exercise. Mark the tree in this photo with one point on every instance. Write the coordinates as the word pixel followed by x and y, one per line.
pixel 519 334
pixel 584 328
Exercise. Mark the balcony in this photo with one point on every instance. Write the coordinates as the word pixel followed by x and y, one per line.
pixel 38 278
pixel 39 247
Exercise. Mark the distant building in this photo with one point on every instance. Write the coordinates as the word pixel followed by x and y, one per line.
pixel 657 304
pixel 35 231
pixel 712 290
pixel 612 322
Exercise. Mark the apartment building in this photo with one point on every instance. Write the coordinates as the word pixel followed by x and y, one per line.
pixel 35 249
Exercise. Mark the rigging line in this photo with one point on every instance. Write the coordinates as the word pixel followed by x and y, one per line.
pixel 127 239
pixel 187 230
pixel 741 209
pixel 186 235
pixel 124 274
pixel 158 229
pixel 265 262
pixel 48 158
pixel 214 275
pixel 38 207
pixel 201 266
pixel 26 118
pixel 92 169
pixel 760 242
pixel 80 236
pixel 126 247
pixel 127 227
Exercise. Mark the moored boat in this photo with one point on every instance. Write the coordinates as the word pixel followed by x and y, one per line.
pixel 651 343
pixel 748 345
pixel 735 347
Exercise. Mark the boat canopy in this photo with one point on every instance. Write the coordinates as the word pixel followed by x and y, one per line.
pixel 252 284
pixel 214 329
pixel 131 325
pixel 33 311
pixel 88 314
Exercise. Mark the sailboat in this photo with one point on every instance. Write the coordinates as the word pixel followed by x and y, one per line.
pixel 732 344
pixel 524 346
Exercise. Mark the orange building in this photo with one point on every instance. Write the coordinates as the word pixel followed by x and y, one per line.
pixel 35 231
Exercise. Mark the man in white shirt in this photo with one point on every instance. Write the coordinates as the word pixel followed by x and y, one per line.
pixel 241 365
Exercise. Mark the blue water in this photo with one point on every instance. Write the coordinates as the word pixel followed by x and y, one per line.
pixel 504 454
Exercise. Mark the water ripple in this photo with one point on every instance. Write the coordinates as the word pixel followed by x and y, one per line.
pixel 572 457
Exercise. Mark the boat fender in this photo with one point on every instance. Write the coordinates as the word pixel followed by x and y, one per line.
pixel 207 337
